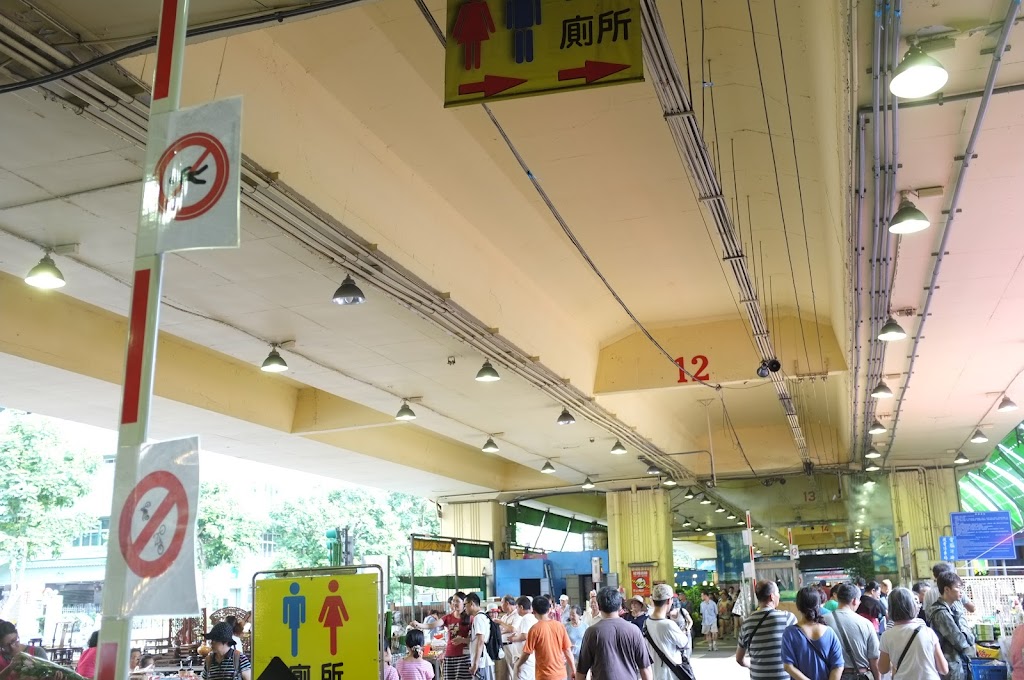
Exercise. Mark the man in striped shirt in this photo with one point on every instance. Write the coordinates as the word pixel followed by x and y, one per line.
pixel 759 647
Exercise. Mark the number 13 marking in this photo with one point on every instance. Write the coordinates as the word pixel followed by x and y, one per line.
pixel 701 373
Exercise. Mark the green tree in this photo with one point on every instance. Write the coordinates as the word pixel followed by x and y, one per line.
pixel 43 477
pixel 226 530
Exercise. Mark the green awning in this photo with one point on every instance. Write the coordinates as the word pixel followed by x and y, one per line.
pixel 466 583
pixel 473 550
pixel 999 483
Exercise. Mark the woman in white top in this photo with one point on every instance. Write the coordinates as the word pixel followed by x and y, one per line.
pixel 910 649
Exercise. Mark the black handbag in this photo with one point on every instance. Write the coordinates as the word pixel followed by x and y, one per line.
pixel 683 671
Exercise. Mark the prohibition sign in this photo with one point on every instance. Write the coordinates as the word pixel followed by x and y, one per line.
pixel 210 148
pixel 176 499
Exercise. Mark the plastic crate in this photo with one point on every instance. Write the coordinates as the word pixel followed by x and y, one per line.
pixel 988 669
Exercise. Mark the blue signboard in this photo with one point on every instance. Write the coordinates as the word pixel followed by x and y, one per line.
pixel 947 548
pixel 983 535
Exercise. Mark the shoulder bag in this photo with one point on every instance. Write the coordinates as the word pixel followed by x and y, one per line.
pixel 750 638
pixel 899 664
pixel 682 671
pixel 847 649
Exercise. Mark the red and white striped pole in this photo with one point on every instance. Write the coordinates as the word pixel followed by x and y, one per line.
pixel 140 360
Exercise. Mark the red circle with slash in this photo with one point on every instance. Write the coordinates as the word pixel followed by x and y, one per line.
pixel 176 499
pixel 208 145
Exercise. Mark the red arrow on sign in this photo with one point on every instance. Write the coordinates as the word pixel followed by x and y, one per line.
pixel 491 85
pixel 591 70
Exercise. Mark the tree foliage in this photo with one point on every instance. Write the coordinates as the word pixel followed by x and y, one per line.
pixel 226 530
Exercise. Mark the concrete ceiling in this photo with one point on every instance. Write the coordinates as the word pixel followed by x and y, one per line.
pixel 346 108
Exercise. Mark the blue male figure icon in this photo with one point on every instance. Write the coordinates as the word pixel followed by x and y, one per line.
pixel 520 18
pixel 294 614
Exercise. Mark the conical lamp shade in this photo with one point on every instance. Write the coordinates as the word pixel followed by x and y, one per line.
pixel 348 293
pixel 891 331
pixel 908 219
pixel 274 363
pixel 918 75
pixel 405 413
pixel 565 418
pixel 548 468
pixel 45 275
pixel 489 446
pixel 881 391
pixel 487 373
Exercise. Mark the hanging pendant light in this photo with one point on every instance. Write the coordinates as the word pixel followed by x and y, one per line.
pixel 705 501
pixel 876 427
pixel 881 391
pixel 720 509
pixel 617 448
pixel 653 469
pixel 872 453
pixel 489 446
pixel 961 458
pixel 565 418
pixel 348 293
pixel 686 522
pixel 548 467
pixel 891 331
pixel 872 468
pixel 669 482
pixel 740 523
pixel 405 413
pixel 908 219
pixel 711 533
pixel 698 528
pixel 45 275
pixel 587 483
pixel 689 494
pixel 732 515
pixel 487 373
pixel 978 437
pixel 274 363
pixel 918 75
pixel 1006 405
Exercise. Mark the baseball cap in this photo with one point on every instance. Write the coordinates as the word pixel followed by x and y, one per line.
pixel 222 632
pixel 637 598
pixel 564 598
pixel 662 592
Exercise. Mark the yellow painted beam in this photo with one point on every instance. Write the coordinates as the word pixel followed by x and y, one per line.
pixel 319 411
pixel 718 351
pixel 590 504
pixel 415 447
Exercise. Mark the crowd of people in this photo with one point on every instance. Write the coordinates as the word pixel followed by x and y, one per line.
pixel 862 631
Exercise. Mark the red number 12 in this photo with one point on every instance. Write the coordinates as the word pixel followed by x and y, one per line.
pixel 699 374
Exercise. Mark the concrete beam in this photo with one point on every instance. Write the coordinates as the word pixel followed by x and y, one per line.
pixel 318 411
pixel 718 351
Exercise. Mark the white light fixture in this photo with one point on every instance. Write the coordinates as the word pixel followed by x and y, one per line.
pixel 891 331
pixel 490 446
pixel 617 448
pixel 872 453
pixel 689 494
pixel 687 522
pixel 587 483
pixel 872 468
pixel 669 482
pixel 548 467
pixel 1006 405
pixel 918 75
pixel 45 275
pixel 740 523
pixel 348 293
pixel 881 391
pixel 565 418
pixel 732 515
pixel 719 509
pixel 487 373
pixel 274 363
pixel 908 219
pixel 405 413
pixel 698 528
pixel 705 501
pixel 653 469
pixel 876 427
pixel 978 437
pixel 711 533
pixel 961 458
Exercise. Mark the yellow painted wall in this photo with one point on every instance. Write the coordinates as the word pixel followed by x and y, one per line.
pixel 640 530
pixel 482 521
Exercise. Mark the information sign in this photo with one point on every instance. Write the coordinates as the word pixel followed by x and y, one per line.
pixel 500 49
pixel 983 535
pixel 947 548
pixel 322 626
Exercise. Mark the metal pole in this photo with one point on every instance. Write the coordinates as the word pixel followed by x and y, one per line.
pixel 140 360
pixel 412 578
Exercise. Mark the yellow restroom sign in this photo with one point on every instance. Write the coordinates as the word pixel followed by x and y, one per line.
pixel 500 49
pixel 317 627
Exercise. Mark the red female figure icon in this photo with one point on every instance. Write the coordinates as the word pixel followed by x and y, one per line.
pixel 473 25
pixel 333 615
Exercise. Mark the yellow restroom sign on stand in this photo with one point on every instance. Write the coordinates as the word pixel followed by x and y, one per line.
pixel 501 49
pixel 309 625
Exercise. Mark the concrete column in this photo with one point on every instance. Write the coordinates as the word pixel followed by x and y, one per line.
pixel 640 530
pixel 480 521
pixel 921 501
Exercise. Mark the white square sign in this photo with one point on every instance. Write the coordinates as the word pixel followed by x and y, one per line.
pixel 191 186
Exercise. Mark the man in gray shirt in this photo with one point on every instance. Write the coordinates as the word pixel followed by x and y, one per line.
pixel 857 636
pixel 613 649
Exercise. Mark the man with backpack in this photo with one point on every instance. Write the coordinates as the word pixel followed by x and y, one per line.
pixel 481 636
pixel 549 643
